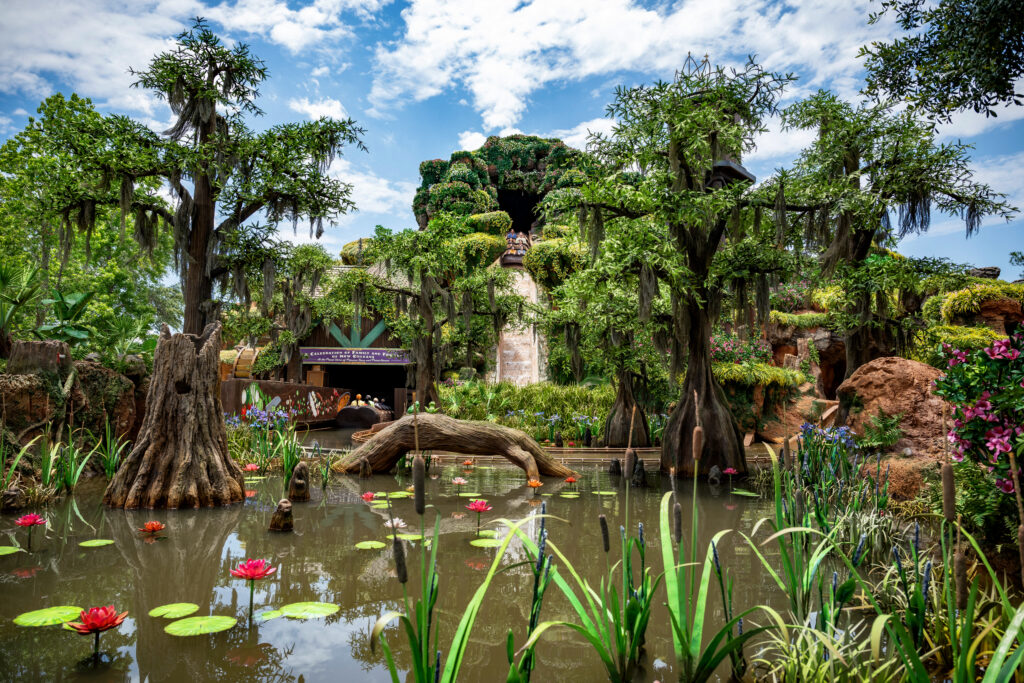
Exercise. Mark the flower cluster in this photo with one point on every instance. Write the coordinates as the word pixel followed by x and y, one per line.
pixel 790 296
pixel 986 388
pixel 728 348
pixel 828 436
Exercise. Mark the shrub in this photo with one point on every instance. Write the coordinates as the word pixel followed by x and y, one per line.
pixel 356 252
pixel 463 174
pixel 458 198
pixel 479 248
pixel 969 300
pixel 754 374
pixel 493 223
pixel 432 170
pixel 928 348
pixel 802 321
pixel 549 262
pixel 728 348
pixel 791 296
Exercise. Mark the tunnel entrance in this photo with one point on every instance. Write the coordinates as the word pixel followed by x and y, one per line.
pixel 520 206
pixel 832 362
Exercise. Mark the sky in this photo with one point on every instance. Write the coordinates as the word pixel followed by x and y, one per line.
pixel 429 77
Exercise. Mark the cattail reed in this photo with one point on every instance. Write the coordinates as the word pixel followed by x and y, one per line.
pixel 798 506
pixel 630 462
pixel 677 523
pixel 419 476
pixel 400 568
pixel 960 576
pixel 698 442
pixel 948 493
pixel 603 521
pixel 786 459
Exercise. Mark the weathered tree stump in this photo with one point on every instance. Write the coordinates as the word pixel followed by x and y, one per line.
pixel 558 440
pixel 281 520
pixel 639 475
pixel 298 485
pixel 615 467
pixel 180 459
pixel 441 433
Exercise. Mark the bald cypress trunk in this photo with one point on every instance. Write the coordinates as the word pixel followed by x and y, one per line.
pixel 616 429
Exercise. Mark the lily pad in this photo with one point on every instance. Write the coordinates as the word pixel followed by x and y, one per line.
pixel 9 549
pixel 570 495
pixel 399 494
pixel 270 614
pixel 197 626
pixel 487 533
pixel 309 610
pixel 96 543
pixel 381 505
pixel 51 616
pixel 371 545
pixel 175 610
pixel 410 537
pixel 605 493
pixel 380 494
pixel 485 542
pixel 248 479
pixel 469 494
pixel 748 494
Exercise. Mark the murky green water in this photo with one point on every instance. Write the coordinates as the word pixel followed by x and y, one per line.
pixel 318 562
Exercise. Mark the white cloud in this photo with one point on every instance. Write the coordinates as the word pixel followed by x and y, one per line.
pixel 778 144
pixel 471 139
pixel 578 135
pixel 325 106
pixel 502 51
pixel 374 194
pixel 968 124
pixel 6 124
pixel 320 72
pixel 19 112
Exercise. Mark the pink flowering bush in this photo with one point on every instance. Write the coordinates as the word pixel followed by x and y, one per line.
pixel 728 348
pixel 986 388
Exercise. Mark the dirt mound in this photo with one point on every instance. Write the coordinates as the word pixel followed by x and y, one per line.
pixel 898 386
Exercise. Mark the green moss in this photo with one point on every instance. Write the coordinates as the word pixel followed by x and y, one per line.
pixel 432 170
pixel 459 198
pixel 549 262
pixel 969 300
pixel 492 222
pixel 479 248
pixel 356 252
pixel 800 320
pixel 757 374
pixel 929 345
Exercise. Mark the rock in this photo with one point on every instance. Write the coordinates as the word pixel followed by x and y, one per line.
pixel 615 467
pixel 715 475
pixel 1001 315
pixel 282 517
pixel 908 452
pixel 39 356
pixel 898 385
pixel 987 272
pixel 298 485
pixel 94 357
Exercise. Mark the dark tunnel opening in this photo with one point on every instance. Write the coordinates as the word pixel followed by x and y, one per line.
pixel 520 206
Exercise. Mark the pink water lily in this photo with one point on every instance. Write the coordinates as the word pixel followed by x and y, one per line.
pixel 252 571
pixel 460 481
pixel 478 506
pixel 31 521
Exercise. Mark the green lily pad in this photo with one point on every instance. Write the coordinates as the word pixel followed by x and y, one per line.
pixel 399 494
pixel 197 626
pixel 270 614
pixel 570 495
pixel 51 616
pixel 371 545
pixel 487 533
pixel 748 494
pixel 485 542
pixel 248 479
pixel 605 493
pixel 309 610
pixel 410 537
pixel 175 610
pixel 96 543
pixel 469 494
pixel 9 550
pixel 381 505
pixel 380 494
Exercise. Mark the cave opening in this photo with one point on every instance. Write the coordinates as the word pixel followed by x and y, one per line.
pixel 832 362
pixel 521 207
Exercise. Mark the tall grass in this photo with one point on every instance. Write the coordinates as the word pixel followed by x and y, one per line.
pixel 7 471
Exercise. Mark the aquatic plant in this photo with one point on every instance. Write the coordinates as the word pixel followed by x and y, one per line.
pixel 479 507
pixel 7 475
pixel 96 621
pixel 368 496
pixel 110 449
pixel 71 464
pixel 541 567
pixel 152 527
pixel 252 571
pixel 30 521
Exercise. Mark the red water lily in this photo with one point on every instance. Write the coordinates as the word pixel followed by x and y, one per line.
pixel 570 480
pixel 251 467
pixel 96 621
pixel 251 493
pixel 478 506
pixel 31 519
pixel 251 571
pixel 730 471
pixel 467 463
pixel 152 527
pixel 368 496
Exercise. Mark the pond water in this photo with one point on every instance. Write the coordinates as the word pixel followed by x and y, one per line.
pixel 191 560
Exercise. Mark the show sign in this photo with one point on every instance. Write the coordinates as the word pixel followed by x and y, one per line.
pixel 315 355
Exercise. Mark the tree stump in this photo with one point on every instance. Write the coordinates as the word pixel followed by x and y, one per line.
pixel 180 459
pixel 281 520
pixel 615 467
pixel 441 433
pixel 298 485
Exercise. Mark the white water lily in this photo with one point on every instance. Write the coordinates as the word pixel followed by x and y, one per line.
pixel 396 523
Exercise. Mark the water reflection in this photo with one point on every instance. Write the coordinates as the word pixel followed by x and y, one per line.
pixel 190 562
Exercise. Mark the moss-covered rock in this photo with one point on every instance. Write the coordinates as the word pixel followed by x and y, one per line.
pixel 550 261
pixel 493 223
pixel 962 337
pixel 479 248
pixel 356 252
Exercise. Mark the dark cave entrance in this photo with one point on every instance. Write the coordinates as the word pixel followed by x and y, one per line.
pixel 832 362
pixel 520 206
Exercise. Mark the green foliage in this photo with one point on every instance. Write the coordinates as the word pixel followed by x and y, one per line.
pixel 553 260
pixel 757 374
pixel 480 249
pixel 1017 259
pixel 459 198
pixel 493 223
pixel 950 56
pixel 968 301
pixel 19 287
pixel 67 310
pixel 928 348
pixel 355 252
pixel 803 321
pixel 477 400
pixel 983 509
pixel 881 432
pixel 432 171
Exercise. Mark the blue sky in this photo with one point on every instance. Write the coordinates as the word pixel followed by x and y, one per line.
pixel 428 77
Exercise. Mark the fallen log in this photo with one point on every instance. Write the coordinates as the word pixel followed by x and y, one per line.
pixel 443 433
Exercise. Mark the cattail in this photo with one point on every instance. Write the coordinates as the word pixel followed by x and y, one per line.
pixel 604 532
pixel 948 493
pixel 698 442
pixel 960 576
pixel 798 506
pixel 400 568
pixel 630 462
pixel 677 523
pixel 419 476
pixel 786 460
